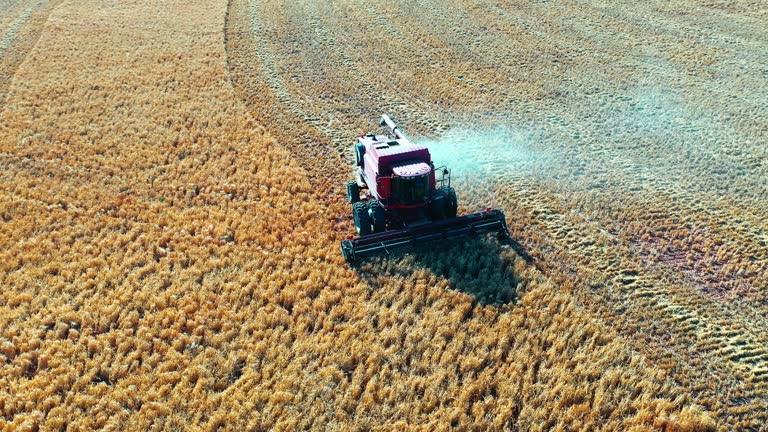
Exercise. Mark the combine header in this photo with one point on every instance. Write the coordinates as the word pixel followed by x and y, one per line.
pixel 404 203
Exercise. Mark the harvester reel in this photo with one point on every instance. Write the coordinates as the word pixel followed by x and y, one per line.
pixel 362 218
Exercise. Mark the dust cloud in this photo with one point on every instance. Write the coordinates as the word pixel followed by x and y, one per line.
pixel 477 155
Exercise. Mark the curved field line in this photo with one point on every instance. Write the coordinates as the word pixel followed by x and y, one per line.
pixel 20 20
pixel 21 35
pixel 303 105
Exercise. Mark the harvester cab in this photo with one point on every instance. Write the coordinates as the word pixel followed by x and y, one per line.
pixel 400 199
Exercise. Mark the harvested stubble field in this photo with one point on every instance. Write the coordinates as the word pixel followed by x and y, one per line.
pixel 171 207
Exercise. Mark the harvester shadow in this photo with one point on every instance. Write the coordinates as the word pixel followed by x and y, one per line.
pixel 482 267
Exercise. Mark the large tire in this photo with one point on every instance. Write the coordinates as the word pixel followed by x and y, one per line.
pixel 437 207
pixel 378 216
pixel 361 217
pixel 359 153
pixel 451 204
pixel 353 192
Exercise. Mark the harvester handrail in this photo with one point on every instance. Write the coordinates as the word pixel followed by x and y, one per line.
pixel 446 173
pixel 444 169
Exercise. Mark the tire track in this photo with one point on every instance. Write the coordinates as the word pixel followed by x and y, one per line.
pixel 18 38
pixel 669 324
pixel 304 106
pixel 10 33
pixel 274 105
pixel 387 100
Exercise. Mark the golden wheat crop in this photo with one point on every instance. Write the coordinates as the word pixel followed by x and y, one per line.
pixel 622 178
pixel 169 249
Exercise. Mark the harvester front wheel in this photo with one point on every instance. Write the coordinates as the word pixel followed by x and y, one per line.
pixel 437 207
pixel 451 204
pixel 353 192
pixel 361 217
pixel 378 216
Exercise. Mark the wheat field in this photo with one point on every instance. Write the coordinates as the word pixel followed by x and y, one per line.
pixel 171 205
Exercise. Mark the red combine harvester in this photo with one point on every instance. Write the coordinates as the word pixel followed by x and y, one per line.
pixel 404 203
